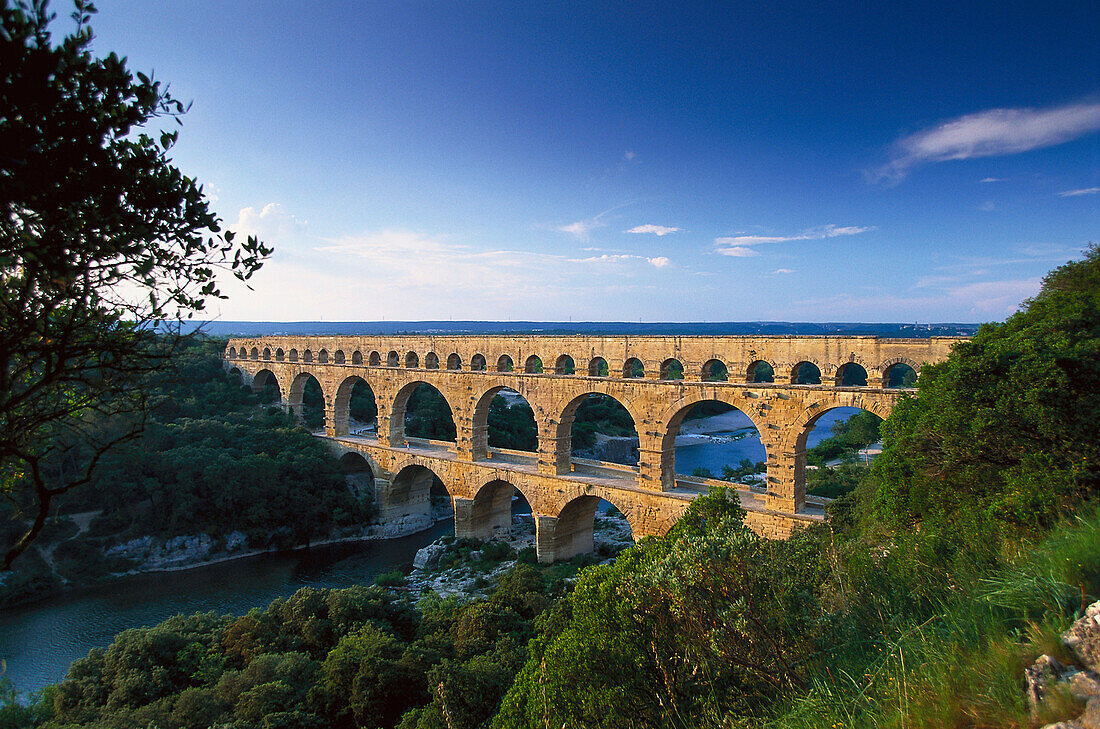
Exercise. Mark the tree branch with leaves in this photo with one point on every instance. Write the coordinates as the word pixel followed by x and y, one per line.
pixel 105 247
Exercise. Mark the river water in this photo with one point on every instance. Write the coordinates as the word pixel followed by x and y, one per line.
pixel 39 641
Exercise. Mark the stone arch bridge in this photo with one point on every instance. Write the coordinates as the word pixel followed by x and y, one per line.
pixel 656 378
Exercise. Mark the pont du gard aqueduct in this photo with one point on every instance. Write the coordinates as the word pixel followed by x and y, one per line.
pixel 783 384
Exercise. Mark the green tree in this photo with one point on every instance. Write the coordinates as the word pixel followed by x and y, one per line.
pixel 102 240
pixel 1005 429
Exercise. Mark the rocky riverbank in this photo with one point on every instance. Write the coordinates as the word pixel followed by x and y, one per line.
pixel 452 566
pixel 73 561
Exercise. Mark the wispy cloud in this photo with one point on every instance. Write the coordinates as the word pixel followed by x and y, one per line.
pixel 783 270
pixel 990 133
pixel 582 229
pixel 738 251
pixel 988 206
pixel 630 155
pixel 992 179
pixel 1082 191
pixel 657 230
pixel 736 245
pixel 656 262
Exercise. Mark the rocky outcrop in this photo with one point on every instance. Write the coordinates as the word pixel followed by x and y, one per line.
pixel 428 557
pixel 1081 680
pixel 152 554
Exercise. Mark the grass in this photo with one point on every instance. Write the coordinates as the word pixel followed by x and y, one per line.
pixel 964 666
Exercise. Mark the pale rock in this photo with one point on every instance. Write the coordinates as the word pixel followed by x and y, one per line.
pixel 428 556
pixel 1039 676
pixel 1083 638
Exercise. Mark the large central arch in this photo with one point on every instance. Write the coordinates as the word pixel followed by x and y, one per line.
pixel 480 436
pixel 563 432
pixel 673 419
pixel 399 411
pixel 348 390
pixel 306 400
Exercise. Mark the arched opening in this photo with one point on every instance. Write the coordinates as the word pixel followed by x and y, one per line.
pixel 504 363
pixel 454 362
pixel 598 367
pixel 357 357
pixel 851 374
pixel 307 356
pixel 586 524
pixel 266 354
pixel 760 371
pixel 242 353
pixel 494 509
pixel 412 360
pixel 266 386
pixel 255 353
pixel 672 369
pixel 338 356
pixel 236 376
pixel 477 363
pixel 431 361
pixel 393 359
pixel 839 445
pixel 713 439
pixel 633 367
pixel 280 355
pixel 421 411
pixel 805 373
pixel 359 477
pixel 307 401
pixel 322 356
pixel 533 365
pixel 355 409
pixel 374 360
pixel 715 370
pixel 900 375
pixel 596 427
pixel 417 497
pixel 503 419
pixel 293 356
pixel 565 365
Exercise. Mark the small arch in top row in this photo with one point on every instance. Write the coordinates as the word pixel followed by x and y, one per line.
pixel 898 373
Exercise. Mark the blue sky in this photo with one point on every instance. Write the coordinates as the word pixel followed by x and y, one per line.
pixel 662 162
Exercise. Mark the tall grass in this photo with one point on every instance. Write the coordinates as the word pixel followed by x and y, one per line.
pixel 962 666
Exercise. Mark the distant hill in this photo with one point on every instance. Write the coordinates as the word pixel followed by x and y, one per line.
pixel 260 328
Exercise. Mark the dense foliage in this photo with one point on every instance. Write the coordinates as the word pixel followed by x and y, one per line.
pixel 357 657
pixel 1005 429
pixel 214 458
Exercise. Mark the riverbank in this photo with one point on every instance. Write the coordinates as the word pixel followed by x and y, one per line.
pixel 39 576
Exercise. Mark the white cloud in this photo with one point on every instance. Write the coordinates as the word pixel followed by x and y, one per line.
pixel 269 223
pixel 1082 191
pixel 991 133
pixel 992 179
pixel 657 230
pixel 657 262
pixel 783 270
pixel 630 155
pixel 737 242
pixel 581 228
pixel 988 206
pixel 739 252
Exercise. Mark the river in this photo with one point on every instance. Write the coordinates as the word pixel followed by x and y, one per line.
pixel 39 641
